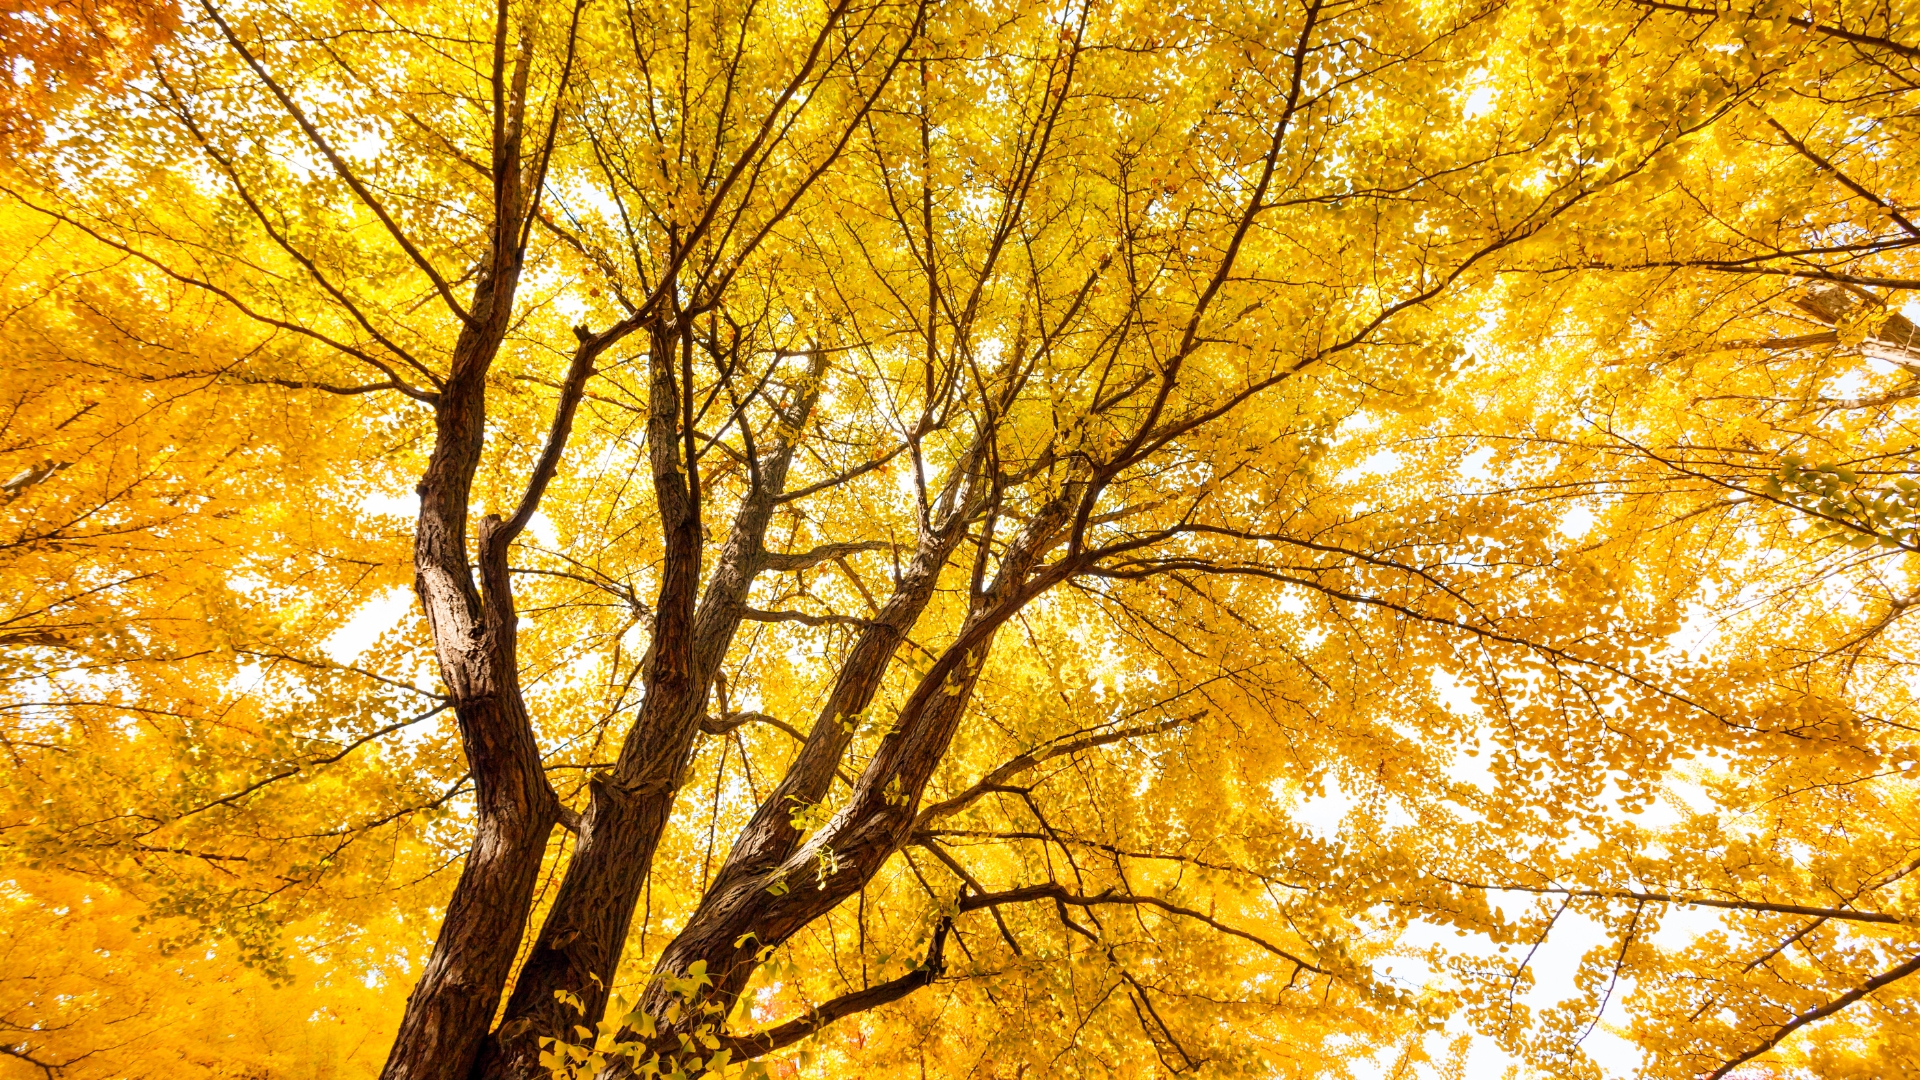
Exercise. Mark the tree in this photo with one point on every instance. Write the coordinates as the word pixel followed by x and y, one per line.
pixel 1016 408
pixel 56 52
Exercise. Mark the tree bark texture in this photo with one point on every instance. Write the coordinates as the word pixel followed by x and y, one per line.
pixel 474 643
pixel 579 945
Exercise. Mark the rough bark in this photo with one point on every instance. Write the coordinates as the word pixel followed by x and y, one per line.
pixel 770 836
pixel 474 642
pixel 579 945
pixel 475 638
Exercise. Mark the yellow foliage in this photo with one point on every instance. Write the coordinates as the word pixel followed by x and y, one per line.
pixel 779 539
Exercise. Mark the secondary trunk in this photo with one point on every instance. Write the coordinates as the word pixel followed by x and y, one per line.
pixel 763 906
pixel 733 899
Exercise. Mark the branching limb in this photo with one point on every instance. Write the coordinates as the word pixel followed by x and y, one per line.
pixel 228 800
pixel 714 725
pixel 1028 760
pixel 780 562
pixel 1699 901
pixel 1818 1013
pixel 757 615
pixel 766 1042
pixel 1029 893
pixel 18 1054
pixel 971 882
pixel 339 164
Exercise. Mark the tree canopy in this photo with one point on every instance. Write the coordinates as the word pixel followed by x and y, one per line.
pixel 754 538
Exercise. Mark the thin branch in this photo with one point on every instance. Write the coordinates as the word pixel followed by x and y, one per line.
pixel 835 481
pixel 1028 760
pixel 228 800
pixel 766 1042
pixel 1802 22
pixel 1699 901
pixel 339 165
pixel 1059 894
pixel 1845 180
pixel 714 725
pixel 200 283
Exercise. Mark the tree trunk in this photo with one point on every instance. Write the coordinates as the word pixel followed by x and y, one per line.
pixel 475 643
pixel 742 916
pixel 579 945
pixel 454 1001
pixel 515 809
pixel 734 898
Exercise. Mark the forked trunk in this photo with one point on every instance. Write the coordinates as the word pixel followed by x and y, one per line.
pixel 579 945
pixel 759 906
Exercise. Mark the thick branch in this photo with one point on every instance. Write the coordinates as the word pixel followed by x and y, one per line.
pixel 781 562
pixel 757 615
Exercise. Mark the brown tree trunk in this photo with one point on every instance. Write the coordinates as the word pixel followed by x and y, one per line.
pixel 454 1001
pixel 475 638
pixel 745 914
pixel 735 923
pixel 579 945
pixel 770 837
pixel 475 643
